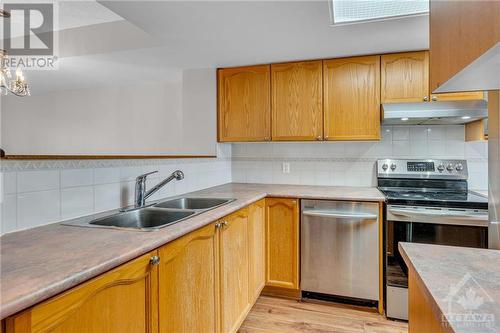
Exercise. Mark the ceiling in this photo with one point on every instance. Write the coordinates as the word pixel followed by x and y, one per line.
pixel 125 42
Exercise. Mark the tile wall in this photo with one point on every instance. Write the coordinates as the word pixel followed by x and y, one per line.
pixel 353 163
pixel 41 192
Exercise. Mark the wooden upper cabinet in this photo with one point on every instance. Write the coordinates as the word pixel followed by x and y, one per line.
pixel 188 283
pixel 234 291
pixel 244 104
pixel 352 98
pixel 282 243
pixel 460 32
pixel 404 77
pixel 297 101
pixel 458 96
pixel 123 300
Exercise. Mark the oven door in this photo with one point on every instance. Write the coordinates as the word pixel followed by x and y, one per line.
pixel 419 232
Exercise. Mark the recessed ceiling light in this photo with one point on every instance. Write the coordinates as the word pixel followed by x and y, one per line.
pixel 466 117
pixel 355 11
pixel 404 119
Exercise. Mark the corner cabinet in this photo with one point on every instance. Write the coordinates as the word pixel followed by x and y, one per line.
pixel 244 104
pixel 234 270
pixel 257 248
pixel 188 288
pixel 282 239
pixel 297 101
pixel 405 79
pixel 123 300
pixel 352 98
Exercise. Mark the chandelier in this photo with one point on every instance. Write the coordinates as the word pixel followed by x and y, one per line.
pixel 16 86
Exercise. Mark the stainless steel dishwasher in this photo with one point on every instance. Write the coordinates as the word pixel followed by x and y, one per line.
pixel 340 250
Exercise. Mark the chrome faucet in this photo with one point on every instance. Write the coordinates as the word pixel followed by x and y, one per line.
pixel 140 186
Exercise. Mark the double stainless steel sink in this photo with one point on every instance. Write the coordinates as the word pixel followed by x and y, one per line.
pixel 158 215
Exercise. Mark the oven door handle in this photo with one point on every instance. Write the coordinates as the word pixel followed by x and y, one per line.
pixel 410 212
pixel 340 215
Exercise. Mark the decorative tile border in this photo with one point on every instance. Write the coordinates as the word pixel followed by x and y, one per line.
pixel 25 165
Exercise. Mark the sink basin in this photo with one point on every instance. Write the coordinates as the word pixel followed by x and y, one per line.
pixel 148 218
pixel 193 203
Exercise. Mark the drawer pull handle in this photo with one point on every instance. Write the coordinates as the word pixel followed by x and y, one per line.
pixel 155 260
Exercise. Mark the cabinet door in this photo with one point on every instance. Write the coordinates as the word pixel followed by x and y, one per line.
pixel 244 104
pixel 188 285
pixel 297 101
pixel 235 301
pixel 122 300
pixel 352 98
pixel 256 249
pixel 405 77
pixel 459 96
pixel 282 243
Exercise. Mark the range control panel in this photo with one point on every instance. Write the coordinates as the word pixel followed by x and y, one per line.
pixel 432 169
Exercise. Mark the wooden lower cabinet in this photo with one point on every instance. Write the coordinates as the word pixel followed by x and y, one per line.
pixel 421 317
pixel 282 241
pixel 188 283
pixel 123 300
pixel 234 293
pixel 205 281
pixel 257 248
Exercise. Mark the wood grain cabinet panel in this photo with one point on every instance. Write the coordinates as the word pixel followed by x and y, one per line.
pixel 460 31
pixel 123 300
pixel 352 98
pixel 235 300
pixel 297 101
pixel 459 96
pixel 282 243
pixel 244 104
pixel 421 317
pixel 405 77
pixel 188 283
pixel 257 248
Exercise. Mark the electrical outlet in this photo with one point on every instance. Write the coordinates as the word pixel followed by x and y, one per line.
pixel 286 167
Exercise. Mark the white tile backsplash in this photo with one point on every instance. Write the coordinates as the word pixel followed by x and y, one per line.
pixel 37 208
pixel 64 190
pixel 77 177
pixel 353 163
pixel 77 201
pixel 34 197
pixel 30 181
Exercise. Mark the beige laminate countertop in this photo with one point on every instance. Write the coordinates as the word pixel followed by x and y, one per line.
pixel 461 281
pixel 42 262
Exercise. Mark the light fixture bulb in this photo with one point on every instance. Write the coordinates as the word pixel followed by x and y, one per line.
pixel 404 119
pixel 465 117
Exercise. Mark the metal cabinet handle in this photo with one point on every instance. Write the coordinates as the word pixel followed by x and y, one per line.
pixel 426 98
pixel 319 138
pixel 341 215
pixel 155 260
pixel 217 225
pixel 225 224
pixel 267 138
pixel 434 98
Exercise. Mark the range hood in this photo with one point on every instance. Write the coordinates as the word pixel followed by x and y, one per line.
pixel 434 113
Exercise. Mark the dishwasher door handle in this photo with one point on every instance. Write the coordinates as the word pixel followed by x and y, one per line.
pixel 340 215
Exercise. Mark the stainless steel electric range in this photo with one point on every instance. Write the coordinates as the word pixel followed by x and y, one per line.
pixel 427 201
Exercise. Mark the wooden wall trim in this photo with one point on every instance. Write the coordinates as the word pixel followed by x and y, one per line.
pixel 100 157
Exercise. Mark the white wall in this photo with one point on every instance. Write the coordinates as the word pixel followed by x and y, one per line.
pixel 174 117
pixel 353 163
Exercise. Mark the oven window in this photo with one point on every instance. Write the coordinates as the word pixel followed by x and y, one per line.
pixel 440 234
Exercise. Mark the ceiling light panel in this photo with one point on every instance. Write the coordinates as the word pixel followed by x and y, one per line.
pixel 358 11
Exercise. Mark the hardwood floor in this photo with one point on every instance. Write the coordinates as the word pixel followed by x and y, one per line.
pixel 277 315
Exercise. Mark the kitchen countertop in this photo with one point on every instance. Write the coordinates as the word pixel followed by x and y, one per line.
pixel 42 262
pixel 459 272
